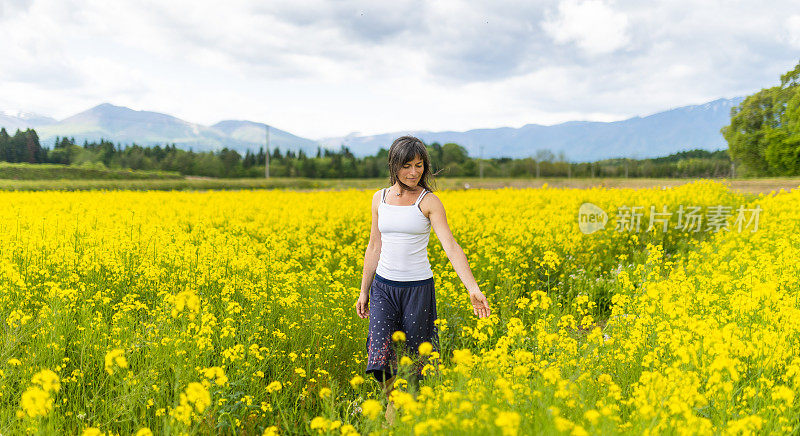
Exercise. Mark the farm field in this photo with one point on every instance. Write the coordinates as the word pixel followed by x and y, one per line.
pixel 232 312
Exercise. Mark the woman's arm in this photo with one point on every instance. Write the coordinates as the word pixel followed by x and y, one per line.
pixel 371 257
pixel 480 307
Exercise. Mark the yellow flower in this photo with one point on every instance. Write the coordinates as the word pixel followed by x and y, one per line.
pixel 426 391
pixel 401 382
pixel 562 424
pixel 320 424
pixel 144 431
pixel 356 381
pixel 783 393
pixel 349 430
pixel 441 324
pixel 270 431
pixel 115 358
pixel 508 422
pixel 425 348
pixel 217 373
pixel 92 431
pixel 196 393
pixel 592 416
pixel 36 402
pixel 14 362
pixel 401 399
pixel 406 361
pixel 182 413
pixel 371 409
pixel 398 336
pixel 48 380
pixel 324 393
pixel 463 357
pixel 274 386
pixel 300 371
pixel 187 299
pixel 579 431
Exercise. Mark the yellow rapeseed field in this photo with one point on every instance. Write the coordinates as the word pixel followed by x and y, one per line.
pixel 232 312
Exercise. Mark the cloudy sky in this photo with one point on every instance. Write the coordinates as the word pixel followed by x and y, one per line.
pixel 328 68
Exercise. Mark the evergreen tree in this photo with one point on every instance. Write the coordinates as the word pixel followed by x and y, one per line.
pixel 33 148
pixel 261 158
pixel 249 160
pixel 5 143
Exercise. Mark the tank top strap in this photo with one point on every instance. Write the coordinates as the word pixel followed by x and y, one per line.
pixel 424 191
pixel 383 196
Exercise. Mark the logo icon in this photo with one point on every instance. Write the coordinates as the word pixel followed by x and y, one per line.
pixel 591 218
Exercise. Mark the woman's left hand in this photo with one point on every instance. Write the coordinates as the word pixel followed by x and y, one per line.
pixel 480 307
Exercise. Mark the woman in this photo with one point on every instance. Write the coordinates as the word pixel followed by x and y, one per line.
pixel 402 292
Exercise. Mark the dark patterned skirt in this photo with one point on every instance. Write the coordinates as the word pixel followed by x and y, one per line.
pixel 406 306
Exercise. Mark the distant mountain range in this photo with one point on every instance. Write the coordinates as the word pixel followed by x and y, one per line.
pixel 126 126
pixel 13 120
pixel 660 134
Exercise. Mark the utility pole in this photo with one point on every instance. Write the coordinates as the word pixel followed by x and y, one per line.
pixel 480 163
pixel 266 167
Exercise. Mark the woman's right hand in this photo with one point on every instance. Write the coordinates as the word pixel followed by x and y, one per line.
pixel 362 305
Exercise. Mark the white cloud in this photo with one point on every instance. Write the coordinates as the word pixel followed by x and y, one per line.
pixel 592 25
pixel 793 30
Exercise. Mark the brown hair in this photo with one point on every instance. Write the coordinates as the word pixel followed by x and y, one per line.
pixel 405 149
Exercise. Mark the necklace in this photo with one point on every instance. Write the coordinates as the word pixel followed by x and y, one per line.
pixel 397 194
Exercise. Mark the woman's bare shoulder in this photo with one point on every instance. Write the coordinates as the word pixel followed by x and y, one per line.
pixel 429 202
pixel 430 197
pixel 376 197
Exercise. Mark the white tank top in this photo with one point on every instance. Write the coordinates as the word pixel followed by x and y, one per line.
pixel 405 231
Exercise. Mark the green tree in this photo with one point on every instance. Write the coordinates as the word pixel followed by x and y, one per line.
pixel 763 135
pixel 435 153
pixel 5 143
pixel 453 153
pixel 231 162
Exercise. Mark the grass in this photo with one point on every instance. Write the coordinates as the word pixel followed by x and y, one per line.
pixel 57 172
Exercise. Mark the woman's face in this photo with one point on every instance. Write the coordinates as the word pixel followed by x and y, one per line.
pixel 411 171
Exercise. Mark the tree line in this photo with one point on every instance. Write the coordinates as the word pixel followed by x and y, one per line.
pixel 447 160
